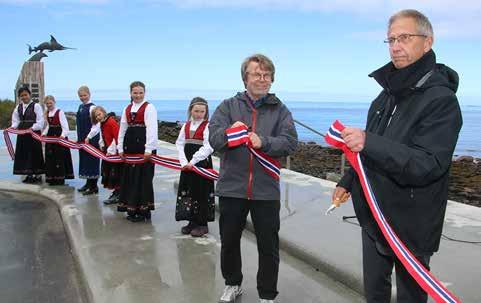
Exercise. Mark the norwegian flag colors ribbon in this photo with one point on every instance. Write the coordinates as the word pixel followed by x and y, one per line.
pixel 422 276
pixel 239 136
pixel 171 163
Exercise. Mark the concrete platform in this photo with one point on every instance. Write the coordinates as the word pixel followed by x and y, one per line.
pixel 152 262
pixel 321 255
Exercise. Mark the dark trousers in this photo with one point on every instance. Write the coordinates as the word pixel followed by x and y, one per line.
pixel 265 218
pixel 378 262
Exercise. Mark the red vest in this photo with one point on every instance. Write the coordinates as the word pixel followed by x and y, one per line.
pixel 55 119
pixel 139 116
pixel 199 132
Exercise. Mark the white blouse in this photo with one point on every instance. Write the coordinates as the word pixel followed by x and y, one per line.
pixel 150 120
pixel 63 122
pixel 205 151
pixel 95 130
pixel 39 121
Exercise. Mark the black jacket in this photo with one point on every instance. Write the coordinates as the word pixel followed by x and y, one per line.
pixel 411 132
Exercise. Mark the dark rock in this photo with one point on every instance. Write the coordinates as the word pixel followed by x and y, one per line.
pixel 464 159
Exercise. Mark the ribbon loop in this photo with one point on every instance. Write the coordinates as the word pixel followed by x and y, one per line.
pixel 171 163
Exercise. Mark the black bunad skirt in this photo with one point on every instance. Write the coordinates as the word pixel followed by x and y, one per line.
pixel 28 156
pixel 58 159
pixel 195 196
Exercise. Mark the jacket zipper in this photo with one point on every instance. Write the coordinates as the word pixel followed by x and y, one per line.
pixel 251 157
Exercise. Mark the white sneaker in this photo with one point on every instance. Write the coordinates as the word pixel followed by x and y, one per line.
pixel 267 301
pixel 230 294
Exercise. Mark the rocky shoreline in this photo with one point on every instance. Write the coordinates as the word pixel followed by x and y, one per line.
pixel 324 162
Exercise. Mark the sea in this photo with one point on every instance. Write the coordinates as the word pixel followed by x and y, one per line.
pixel 317 115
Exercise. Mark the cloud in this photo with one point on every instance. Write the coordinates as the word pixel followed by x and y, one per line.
pixel 366 6
pixel 450 18
pixel 301 5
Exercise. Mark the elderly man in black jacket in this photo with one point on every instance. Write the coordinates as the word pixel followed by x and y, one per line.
pixel 407 148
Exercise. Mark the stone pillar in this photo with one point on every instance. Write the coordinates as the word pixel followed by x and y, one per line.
pixel 32 76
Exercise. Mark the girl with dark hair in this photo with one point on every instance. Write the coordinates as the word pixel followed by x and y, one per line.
pixel 58 160
pixel 28 151
pixel 195 197
pixel 138 135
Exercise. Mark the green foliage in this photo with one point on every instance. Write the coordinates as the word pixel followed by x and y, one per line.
pixel 6 109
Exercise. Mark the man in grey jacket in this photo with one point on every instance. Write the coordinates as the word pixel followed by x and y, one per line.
pixel 243 185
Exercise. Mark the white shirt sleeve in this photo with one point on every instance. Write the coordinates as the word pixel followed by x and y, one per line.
pixel 101 141
pixel 180 144
pixel 112 149
pixel 39 120
pixel 95 129
pixel 204 151
pixel 122 130
pixel 45 130
pixel 15 118
pixel 63 123
pixel 152 128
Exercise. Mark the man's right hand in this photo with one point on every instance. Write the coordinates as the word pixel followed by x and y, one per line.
pixel 340 195
pixel 238 123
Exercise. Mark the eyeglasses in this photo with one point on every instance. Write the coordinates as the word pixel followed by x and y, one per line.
pixel 402 39
pixel 258 76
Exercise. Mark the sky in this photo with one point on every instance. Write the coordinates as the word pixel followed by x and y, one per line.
pixel 322 50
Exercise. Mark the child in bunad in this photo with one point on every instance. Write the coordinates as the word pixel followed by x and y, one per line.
pixel 58 159
pixel 28 151
pixel 195 197
pixel 88 133
pixel 111 172
pixel 138 135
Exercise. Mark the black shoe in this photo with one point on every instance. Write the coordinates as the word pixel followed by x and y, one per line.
pixel 111 201
pixel 28 180
pixel 136 218
pixel 37 179
pixel 90 191
pixel 185 230
pixel 83 188
pixel 147 215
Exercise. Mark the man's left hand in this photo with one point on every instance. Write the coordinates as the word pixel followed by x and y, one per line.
pixel 355 138
pixel 255 140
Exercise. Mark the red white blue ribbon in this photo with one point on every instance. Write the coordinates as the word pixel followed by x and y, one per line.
pixel 238 135
pixel 422 276
pixel 172 163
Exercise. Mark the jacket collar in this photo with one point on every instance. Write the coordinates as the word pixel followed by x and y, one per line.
pixel 399 82
pixel 267 99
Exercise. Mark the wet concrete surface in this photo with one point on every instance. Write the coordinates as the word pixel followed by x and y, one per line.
pixel 153 262
pixel 36 264
pixel 320 259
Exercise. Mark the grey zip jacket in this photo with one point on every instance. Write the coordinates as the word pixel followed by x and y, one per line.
pixel 241 175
